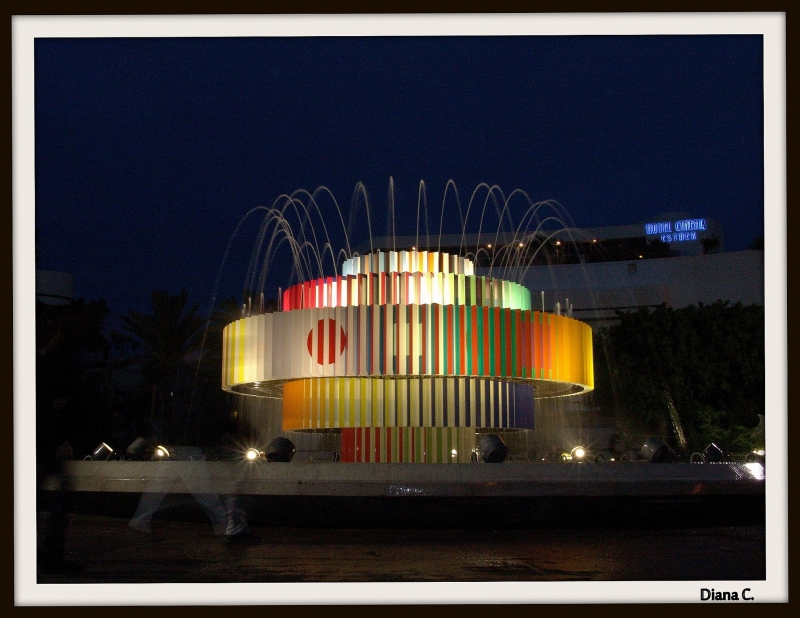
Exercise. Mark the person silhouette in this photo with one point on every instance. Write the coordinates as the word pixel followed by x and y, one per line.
pixel 187 464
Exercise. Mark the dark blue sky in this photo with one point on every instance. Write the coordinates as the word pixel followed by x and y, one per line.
pixel 150 151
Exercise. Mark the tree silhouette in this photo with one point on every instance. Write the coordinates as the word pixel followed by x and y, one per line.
pixel 70 350
pixel 705 361
pixel 165 344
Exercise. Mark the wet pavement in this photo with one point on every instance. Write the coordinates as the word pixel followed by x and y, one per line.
pixel 188 551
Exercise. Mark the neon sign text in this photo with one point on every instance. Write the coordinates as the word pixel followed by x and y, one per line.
pixel 677 231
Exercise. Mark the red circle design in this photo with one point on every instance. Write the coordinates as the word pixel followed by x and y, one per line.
pixel 331 343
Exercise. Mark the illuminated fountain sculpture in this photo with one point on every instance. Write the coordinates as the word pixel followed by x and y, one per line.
pixel 409 354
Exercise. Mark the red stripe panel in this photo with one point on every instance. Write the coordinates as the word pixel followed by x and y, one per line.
pixel 448 337
pixel 423 314
pixel 400 445
pixel 348 444
pixel 497 354
pixel 462 336
pixel 436 342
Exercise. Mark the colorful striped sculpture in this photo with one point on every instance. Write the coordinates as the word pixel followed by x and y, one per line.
pixel 403 342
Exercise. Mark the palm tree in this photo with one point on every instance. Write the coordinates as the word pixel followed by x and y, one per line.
pixel 164 343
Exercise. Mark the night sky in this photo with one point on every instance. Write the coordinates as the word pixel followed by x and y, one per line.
pixel 150 151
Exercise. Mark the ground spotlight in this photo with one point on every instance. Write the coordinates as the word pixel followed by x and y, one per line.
pixel 160 453
pixel 492 448
pixel 713 453
pixel 578 453
pixel 655 451
pixel 280 449
pixel 138 449
pixel 253 454
pixel 756 456
pixel 101 453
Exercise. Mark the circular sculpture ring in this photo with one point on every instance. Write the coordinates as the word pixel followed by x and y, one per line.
pixel 409 339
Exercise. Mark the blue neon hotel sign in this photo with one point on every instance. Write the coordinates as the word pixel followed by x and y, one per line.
pixel 676 231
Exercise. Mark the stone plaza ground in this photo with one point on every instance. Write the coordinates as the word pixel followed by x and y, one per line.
pixel 189 552
pixel 473 525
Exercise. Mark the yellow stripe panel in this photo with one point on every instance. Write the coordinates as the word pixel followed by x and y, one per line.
pixel 328 403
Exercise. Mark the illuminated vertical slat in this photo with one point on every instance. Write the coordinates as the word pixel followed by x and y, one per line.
pixel 387 388
pixel 508 370
pixel 234 352
pixel 556 358
pixel 462 411
pixel 363 340
pixel 240 350
pixel 527 344
pixel 374 338
pixel 295 342
pixel 351 341
pixel 438 403
pixel 348 446
pixel 502 408
pixel 536 343
pixel 496 403
pixel 364 403
pixel 350 288
pixel 247 354
pixel 494 335
pixel 276 343
pixel 482 402
pixel 401 408
pixel 426 320
pixel 401 445
pixel 330 403
pixel 427 415
pixel 225 359
pixel 465 344
pixel 473 418
pixel 589 356
pixel 447 289
pixel 415 340
pixel 387 339
pixel 231 353
pixel 471 339
pixel 423 339
pixel 479 339
pixel 449 339
pixel 566 333
pixel 436 347
pixel 549 332
pixel 377 403
pixel 349 387
pixel 516 342
pixel 260 346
